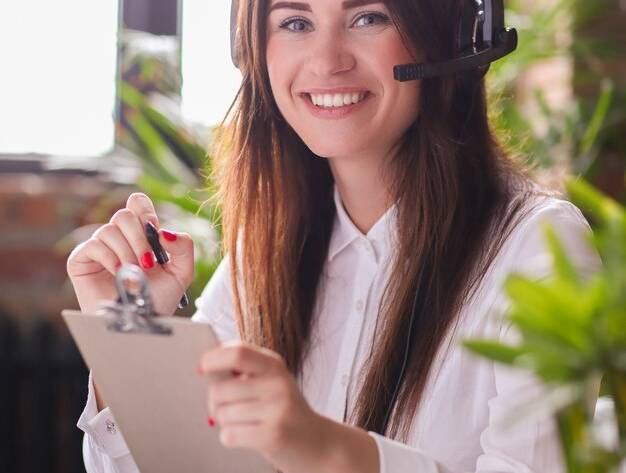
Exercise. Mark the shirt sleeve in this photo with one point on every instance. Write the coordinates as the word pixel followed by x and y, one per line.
pixel 104 447
pixel 216 306
pixel 532 445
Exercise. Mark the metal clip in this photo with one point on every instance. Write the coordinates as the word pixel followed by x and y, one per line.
pixel 133 311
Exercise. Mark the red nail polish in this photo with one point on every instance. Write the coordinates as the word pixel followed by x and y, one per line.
pixel 210 421
pixel 236 372
pixel 169 236
pixel 146 260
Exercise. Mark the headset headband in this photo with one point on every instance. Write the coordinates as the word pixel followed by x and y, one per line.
pixel 483 39
pixel 234 8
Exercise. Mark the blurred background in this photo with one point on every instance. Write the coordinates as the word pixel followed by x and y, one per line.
pixel 99 99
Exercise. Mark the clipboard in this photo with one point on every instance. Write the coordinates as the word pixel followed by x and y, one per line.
pixel 145 368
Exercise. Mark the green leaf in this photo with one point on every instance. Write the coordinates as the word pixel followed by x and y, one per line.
pixel 494 350
pixel 598 117
pixel 549 301
pixel 587 197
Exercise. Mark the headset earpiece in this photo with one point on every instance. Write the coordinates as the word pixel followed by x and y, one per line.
pixel 481 39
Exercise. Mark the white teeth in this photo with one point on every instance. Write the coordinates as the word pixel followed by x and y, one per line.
pixel 337 100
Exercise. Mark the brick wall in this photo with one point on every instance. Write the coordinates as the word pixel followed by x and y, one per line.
pixel 38 213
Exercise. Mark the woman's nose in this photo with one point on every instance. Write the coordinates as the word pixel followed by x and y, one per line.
pixel 330 54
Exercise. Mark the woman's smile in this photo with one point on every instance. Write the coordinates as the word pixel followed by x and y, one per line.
pixel 336 106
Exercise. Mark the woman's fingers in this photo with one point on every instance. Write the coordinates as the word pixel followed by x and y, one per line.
pixel 141 205
pixel 231 391
pixel 229 394
pixel 245 412
pixel 176 243
pixel 90 257
pixel 180 248
pixel 242 389
pixel 132 229
pixel 111 236
pixel 242 357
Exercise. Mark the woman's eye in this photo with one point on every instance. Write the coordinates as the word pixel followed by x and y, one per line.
pixel 372 19
pixel 298 23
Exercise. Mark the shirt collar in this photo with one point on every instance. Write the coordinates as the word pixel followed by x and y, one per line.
pixel 381 235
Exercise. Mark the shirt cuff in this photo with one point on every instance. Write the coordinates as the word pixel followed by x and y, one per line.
pixel 101 426
pixel 396 457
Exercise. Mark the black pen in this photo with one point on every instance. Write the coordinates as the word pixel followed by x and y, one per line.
pixel 161 256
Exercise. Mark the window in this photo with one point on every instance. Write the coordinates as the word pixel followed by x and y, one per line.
pixel 210 81
pixel 57 86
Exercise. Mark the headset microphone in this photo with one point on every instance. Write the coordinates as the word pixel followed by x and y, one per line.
pixel 482 39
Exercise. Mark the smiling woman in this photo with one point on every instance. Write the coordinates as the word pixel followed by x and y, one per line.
pixel 369 223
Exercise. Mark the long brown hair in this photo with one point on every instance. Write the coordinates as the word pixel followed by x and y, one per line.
pixel 458 196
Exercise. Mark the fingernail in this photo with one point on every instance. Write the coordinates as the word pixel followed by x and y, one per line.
pixel 236 372
pixel 210 421
pixel 199 369
pixel 169 236
pixel 146 260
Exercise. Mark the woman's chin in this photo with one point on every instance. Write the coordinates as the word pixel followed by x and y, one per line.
pixel 330 150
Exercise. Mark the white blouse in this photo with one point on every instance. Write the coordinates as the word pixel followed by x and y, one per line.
pixel 463 423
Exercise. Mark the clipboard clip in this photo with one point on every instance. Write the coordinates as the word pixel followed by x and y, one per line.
pixel 133 311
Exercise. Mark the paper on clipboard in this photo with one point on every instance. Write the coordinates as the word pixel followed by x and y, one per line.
pixel 150 382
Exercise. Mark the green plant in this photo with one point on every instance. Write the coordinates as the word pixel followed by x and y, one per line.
pixel 175 169
pixel 172 154
pixel 573 331
pixel 571 136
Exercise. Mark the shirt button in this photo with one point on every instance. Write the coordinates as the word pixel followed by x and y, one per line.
pixel 111 427
pixel 359 305
pixel 344 380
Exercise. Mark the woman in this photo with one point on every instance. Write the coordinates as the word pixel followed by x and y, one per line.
pixel 340 222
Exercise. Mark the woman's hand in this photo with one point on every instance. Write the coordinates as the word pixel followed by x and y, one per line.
pixel 262 409
pixel 93 264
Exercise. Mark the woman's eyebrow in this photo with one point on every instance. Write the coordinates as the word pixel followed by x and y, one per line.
pixel 346 5
pixel 290 5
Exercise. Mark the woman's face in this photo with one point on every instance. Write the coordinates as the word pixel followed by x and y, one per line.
pixel 336 52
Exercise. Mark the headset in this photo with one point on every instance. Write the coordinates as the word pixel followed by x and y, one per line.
pixel 482 39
